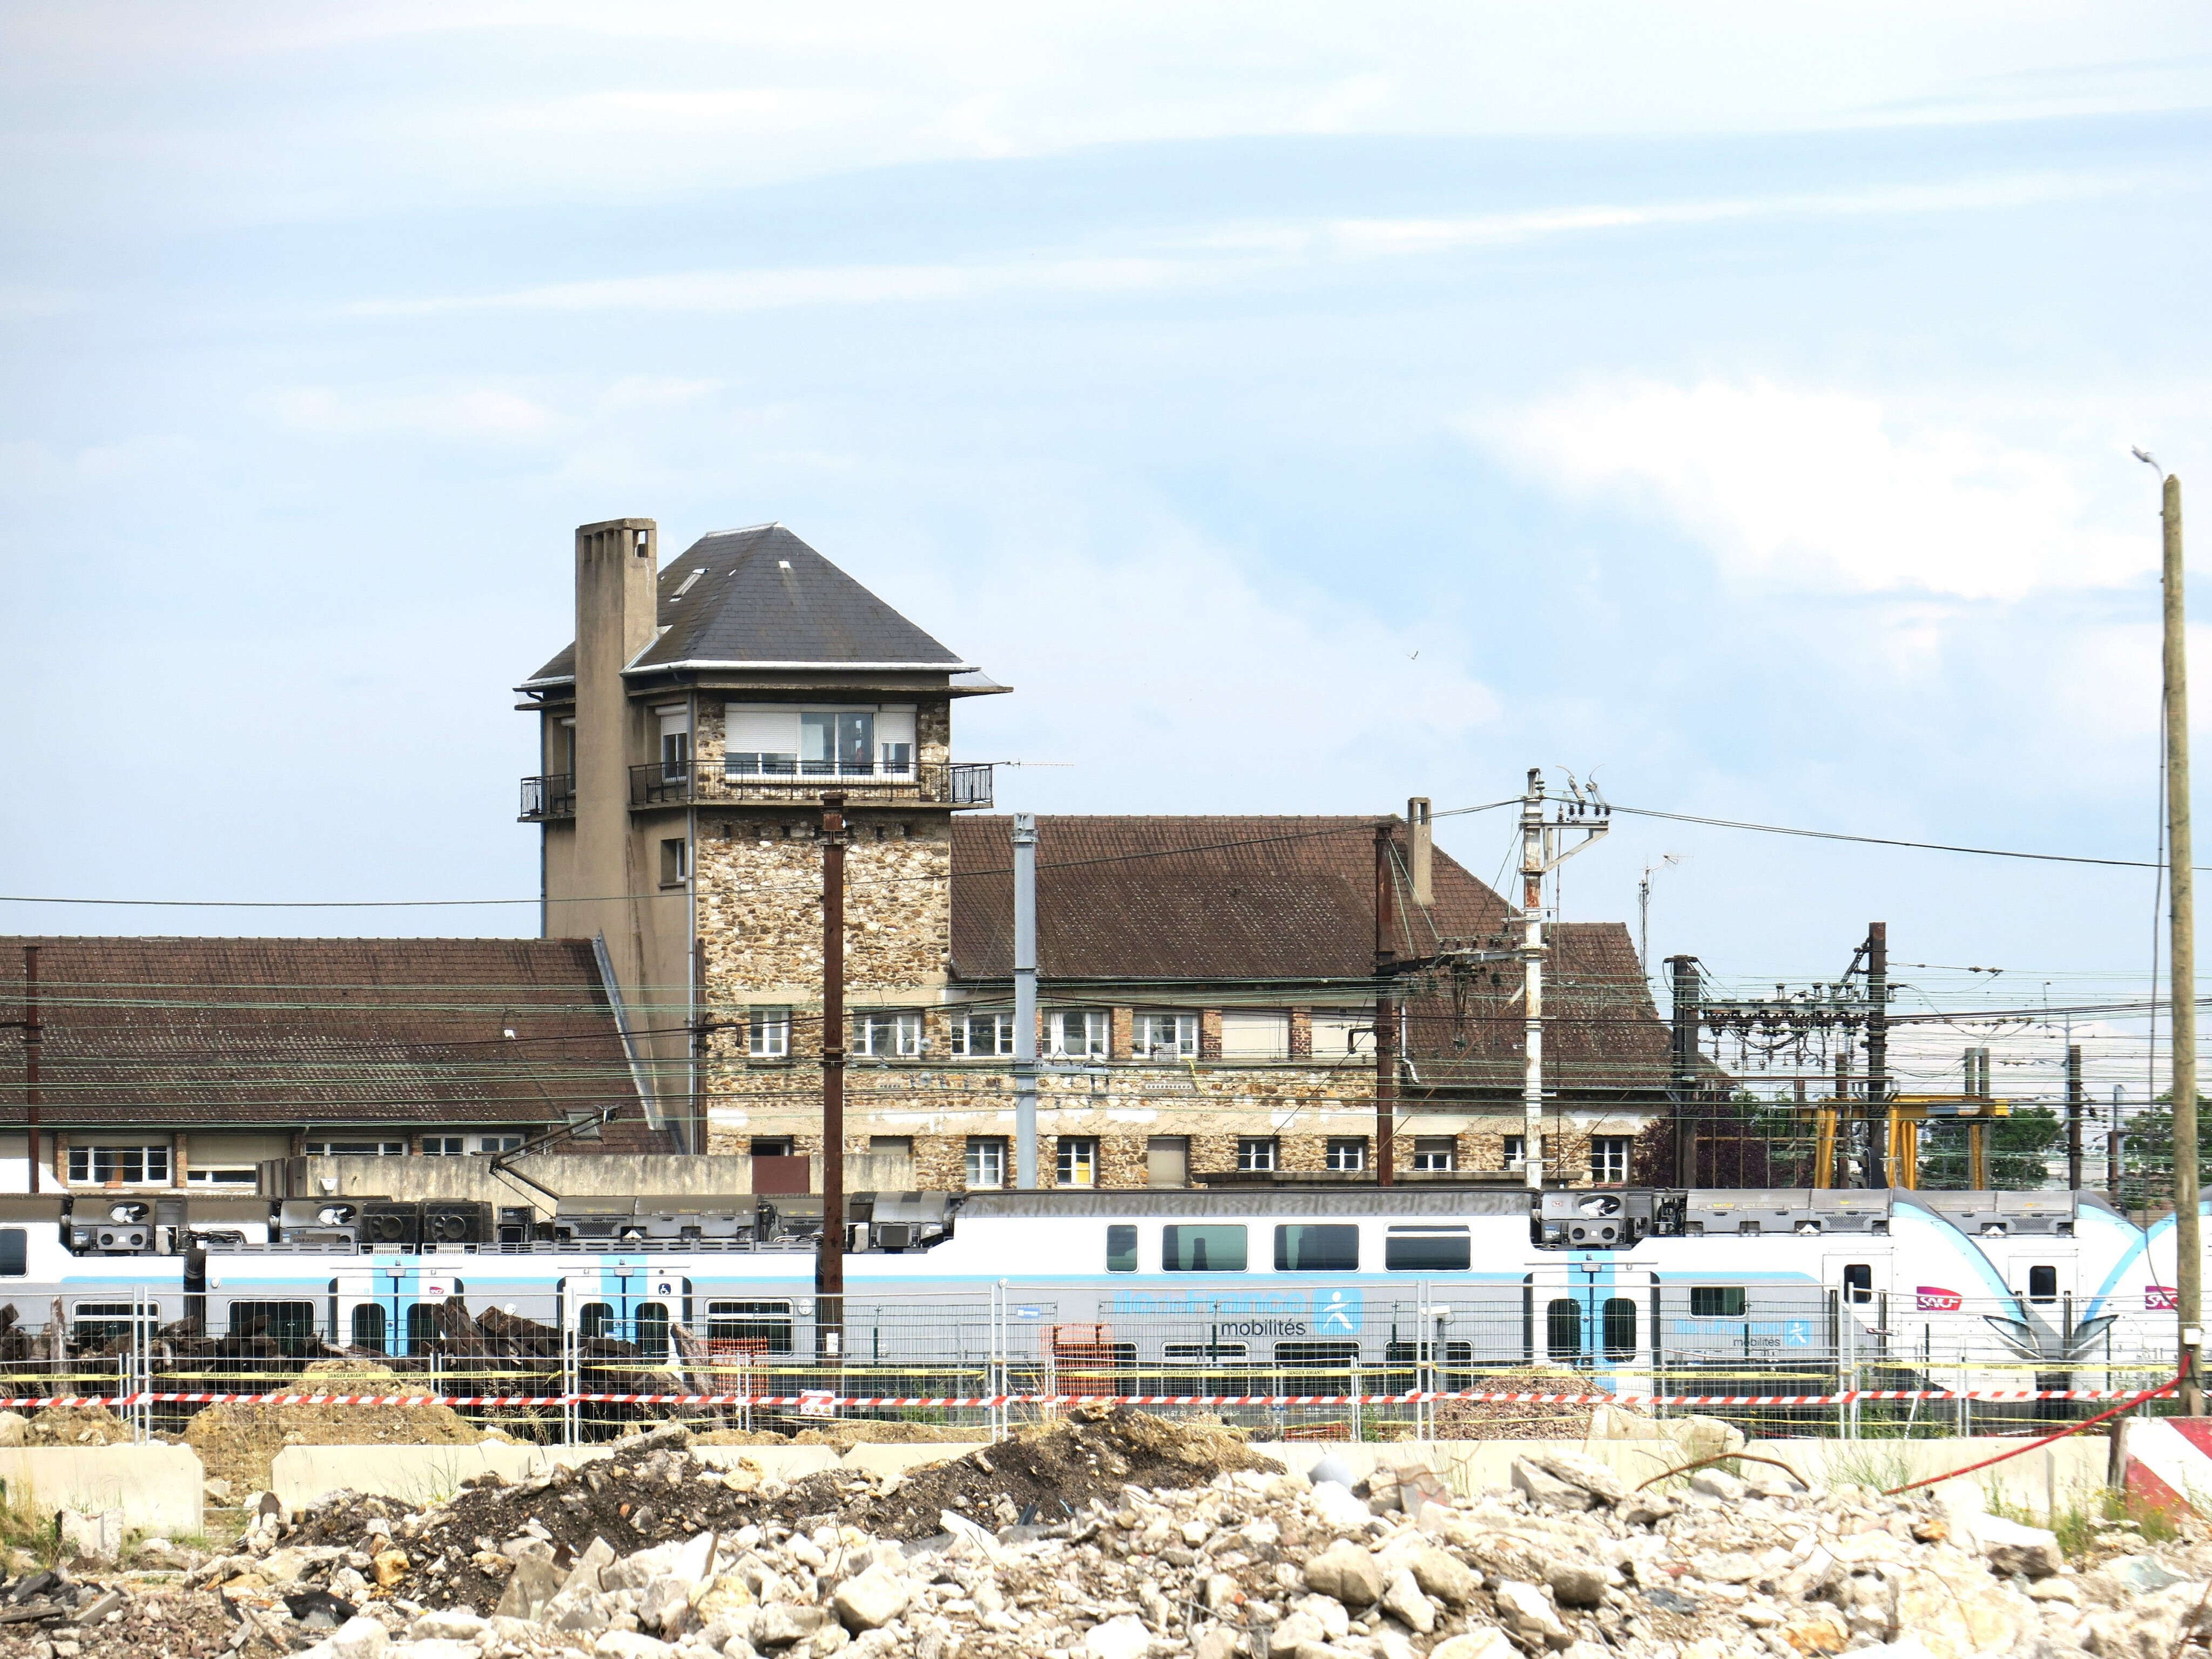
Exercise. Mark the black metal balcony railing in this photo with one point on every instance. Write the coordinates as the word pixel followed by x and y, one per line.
pixel 777 777
pixel 553 796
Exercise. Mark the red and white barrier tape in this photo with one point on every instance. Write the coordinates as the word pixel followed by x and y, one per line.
pixel 877 1402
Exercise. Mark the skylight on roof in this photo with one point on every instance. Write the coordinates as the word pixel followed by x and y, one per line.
pixel 783 564
pixel 687 583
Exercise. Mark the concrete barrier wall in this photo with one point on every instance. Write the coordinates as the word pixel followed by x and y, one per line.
pixel 158 1488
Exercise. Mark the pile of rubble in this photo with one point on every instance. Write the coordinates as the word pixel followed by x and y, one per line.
pixel 1175 1543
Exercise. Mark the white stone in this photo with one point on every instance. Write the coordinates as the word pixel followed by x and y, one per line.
pixel 870 1599
pixel 1490 1643
pixel 459 1624
pixel 2010 1548
pixel 1338 1507
pixel 359 1639
pixel 1528 1614
pixel 1123 1637
pixel 1403 1598
pixel 1328 1613
pixel 1718 1483
pixel 630 1645
pixel 93 1537
pixel 1347 1572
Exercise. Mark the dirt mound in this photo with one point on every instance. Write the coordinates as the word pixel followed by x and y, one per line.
pixel 239 1443
pixel 845 1435
pixel 77 1426
pixel 1476 1419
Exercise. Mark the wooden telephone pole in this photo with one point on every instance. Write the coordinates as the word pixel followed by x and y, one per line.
pixel 2188 1241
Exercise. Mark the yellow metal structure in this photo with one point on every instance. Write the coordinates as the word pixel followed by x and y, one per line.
pixel 1905 1115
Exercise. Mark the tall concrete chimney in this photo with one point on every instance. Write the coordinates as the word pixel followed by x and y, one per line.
pixel 1419 845
pixel 617 611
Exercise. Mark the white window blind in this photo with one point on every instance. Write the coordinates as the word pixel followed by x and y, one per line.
pixel 1254 1034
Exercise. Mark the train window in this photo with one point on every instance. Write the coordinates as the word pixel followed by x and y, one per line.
pixel 1318 1353
pixel 102 1323
pixel 422 1326
pixel 1716 1301
pixel 1858 1281
pixel 1316 1249
pixel 1409 1353
pixel 1120 1250
pixel 13 1253
pixel 1563 1328
pixel 593 1318
pixel 1425 1250
pixel 1620 1323
pixel 2043 1283
pixel 368 1327
pixel 1209 1249
pixel 289 1323
pixel 1185 1353
pixel 764 1325
pixel 652 1330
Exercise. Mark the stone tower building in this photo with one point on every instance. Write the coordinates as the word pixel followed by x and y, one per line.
pixel 1208 983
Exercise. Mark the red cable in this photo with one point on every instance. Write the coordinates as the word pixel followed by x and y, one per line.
pixel 2086 1423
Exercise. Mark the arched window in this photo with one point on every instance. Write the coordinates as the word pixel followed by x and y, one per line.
pixel 368 1326
pixel 422 1325
pixel 1563 1328
pixel 593 1318
pixel 652 1330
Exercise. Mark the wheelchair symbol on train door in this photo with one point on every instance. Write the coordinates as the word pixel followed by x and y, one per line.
pixel 1336 1313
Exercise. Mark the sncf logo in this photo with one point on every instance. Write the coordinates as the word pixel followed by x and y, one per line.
pixel 2161 1299
pixel 1933 1299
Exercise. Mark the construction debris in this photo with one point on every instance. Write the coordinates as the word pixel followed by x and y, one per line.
pixel 237 1443
pixel 1162 1541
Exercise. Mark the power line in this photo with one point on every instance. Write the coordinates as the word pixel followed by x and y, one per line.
pixel 1889 841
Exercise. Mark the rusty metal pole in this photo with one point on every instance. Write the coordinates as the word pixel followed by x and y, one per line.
pixel 830 1261
pixel 2181 889
pixel 1877 1048
pixel 1386 1011
pixel 33 1040
pixel 2076 1098
pixel 1682 1083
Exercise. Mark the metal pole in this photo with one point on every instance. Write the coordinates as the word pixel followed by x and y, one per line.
pixel 1532 979
pixel 829 1260
pixel 1386 1009
pixel 2076 1099
pixel 1683 1081
pixel 1877 1046
pixel 2115 1148
pixel 34 1039
pixel 1025 1009
pixel 2181 885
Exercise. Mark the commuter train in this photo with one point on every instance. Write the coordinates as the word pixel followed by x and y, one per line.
pixel 1641 1288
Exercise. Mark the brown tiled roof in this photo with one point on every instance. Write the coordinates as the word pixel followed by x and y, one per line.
pixel 1193 898
pixel 146 1033
pixel 1178 902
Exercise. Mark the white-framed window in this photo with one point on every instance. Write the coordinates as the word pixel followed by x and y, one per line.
pixel 674 861
pixel 982 1036
pixel 767 1033
pixel 507 1143
pixel 987 1161
pixel 1077 1163
pixel 675 743
pixel 1340 1033
pixel 243 1175
pixel 1436 1152
pixel 442 1145
pixel 783 740
pixel 1255 1152
pixel 1517 1152
pixel 131 1166
pixel 1347 1153
pixel 1255 1034
pixel 1078 1033
pixel 1166 1035
pixel 889 1035
pixel 1608 1158
pixel 356 1149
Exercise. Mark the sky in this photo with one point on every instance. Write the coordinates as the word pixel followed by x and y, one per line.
pixel 1302 407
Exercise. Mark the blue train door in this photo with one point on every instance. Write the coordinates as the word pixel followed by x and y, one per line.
pixel 390 1307
pixel 1591 1313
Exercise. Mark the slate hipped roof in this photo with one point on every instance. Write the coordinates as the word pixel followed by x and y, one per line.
pixel 1176 903
pixel 763 599
pixel 261 1033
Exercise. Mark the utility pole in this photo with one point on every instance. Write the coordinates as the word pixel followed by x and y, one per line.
pixel 2076 1099
pixel 1682 1079
pixel 2182 956
pixel 1386 1008
pixel 829 1260
pixel 33 1041
pixel 1543 849
pixel 1877 1048
pixel 1025 1009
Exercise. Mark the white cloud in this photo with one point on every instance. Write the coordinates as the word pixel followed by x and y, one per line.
pixel 464 412
pixel 1820 489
